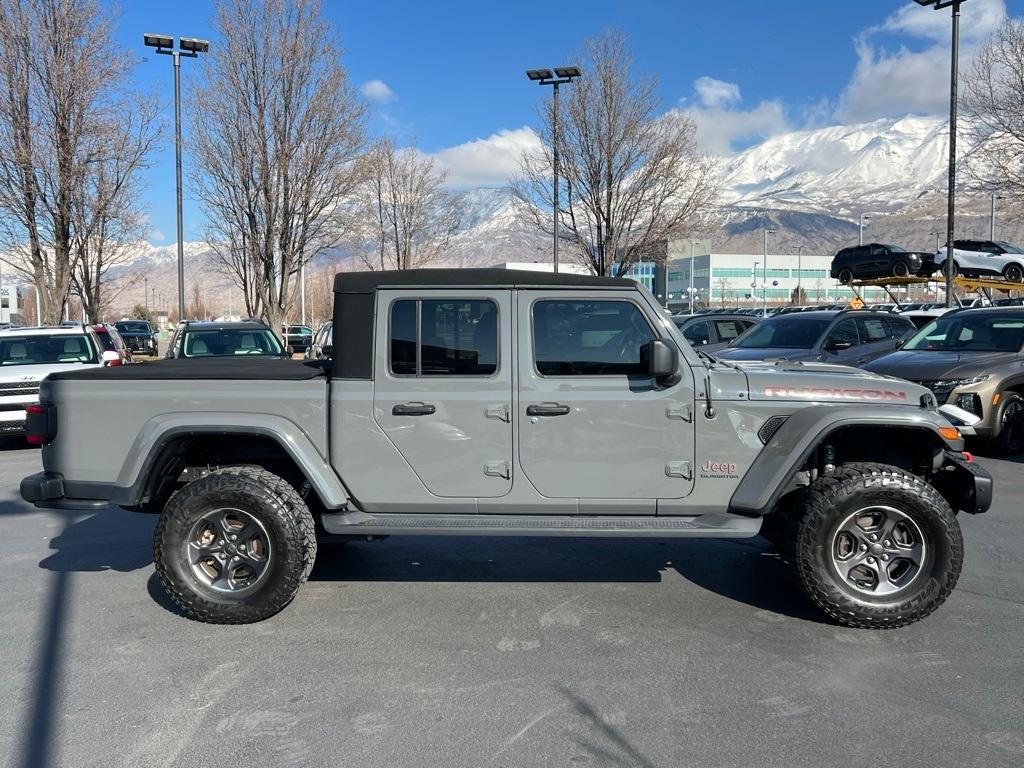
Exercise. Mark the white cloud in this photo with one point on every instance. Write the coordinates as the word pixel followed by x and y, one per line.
pixel 487 162
pixel 889 83
pixel 716 93
pixel 377 90
pixel 721 123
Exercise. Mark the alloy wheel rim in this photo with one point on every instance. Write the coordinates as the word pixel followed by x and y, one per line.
pixel 228 550
pixel 1012 426
pixel 878 551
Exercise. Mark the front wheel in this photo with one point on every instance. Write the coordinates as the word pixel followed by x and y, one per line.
pixel 900 269
pixel 1010 438
pixel 233 547
pixel 876 547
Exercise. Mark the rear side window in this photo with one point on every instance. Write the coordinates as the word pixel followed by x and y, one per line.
pixel 872 329
pixel 444 337
pixel 730 329
pixel 589 338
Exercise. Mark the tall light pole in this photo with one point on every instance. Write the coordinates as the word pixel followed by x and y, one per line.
pixel 691 276
pixel 860 228
pixel 764 273
pixel 992 217
pixel 951 191
pixel 561 76
pixel 753 284
pixel 937 234
pixel 189 47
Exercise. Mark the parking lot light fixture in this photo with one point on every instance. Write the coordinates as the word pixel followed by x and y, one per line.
pixel 992 217
pixel 189 47
pixel 764 273
pixel 561 76
pixel 951 191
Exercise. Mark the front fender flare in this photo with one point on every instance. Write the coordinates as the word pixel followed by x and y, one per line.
pixel 789 448
pixel 158 431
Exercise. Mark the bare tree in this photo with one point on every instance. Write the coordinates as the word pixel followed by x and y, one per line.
pixel 405 217
pixel 630 178
pixel 56 93
pixel 994 104
pixel 108 219
pixel 276 135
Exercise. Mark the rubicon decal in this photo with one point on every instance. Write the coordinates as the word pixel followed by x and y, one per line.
pixel 836 393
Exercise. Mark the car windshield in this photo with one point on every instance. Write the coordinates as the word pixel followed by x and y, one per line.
pixel 225 342
pixel 970 333
pixel 787 331
pixel 37 349
pixel 130 326
pixel 1009 248
pixel 896 249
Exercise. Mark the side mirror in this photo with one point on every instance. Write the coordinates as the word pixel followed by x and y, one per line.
pixel 327 350
pixel 837 346
pixel 661 360
pixel 110 357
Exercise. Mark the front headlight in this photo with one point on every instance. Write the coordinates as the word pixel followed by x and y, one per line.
pixel 954 383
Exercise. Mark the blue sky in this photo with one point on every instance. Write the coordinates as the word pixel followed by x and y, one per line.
pixel 449 75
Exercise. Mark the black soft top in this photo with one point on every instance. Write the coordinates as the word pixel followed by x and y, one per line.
pixel 240 368
pixel 355 302
pixel 365 282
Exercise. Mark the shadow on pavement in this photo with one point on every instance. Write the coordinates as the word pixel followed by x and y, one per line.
pixel 109 539
pixel 746 571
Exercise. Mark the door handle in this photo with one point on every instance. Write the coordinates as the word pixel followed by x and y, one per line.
pixel 547 409
pixel 413 409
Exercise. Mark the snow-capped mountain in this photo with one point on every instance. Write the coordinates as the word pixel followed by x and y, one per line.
pixel 842 170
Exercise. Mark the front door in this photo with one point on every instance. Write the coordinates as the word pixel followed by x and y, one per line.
pixel 592 424
pixel 443 387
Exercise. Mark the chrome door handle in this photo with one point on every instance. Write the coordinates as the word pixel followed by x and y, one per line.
pixel 547 409
pixel 413 409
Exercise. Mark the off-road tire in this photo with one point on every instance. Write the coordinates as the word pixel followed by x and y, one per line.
pixel 845 276
pixel 264 496
pixel 1008 442
pixel 830 500
pixel 900 269
pixel 1013 273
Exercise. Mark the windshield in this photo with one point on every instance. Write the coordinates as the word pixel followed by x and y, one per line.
pixel 223 342
pixel 896 249
pixel 37 349
pixel 787 331
pixel 1009 248
pixel 133 327
pixel 971 333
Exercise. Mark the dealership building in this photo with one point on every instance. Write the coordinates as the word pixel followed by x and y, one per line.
pixel 743 279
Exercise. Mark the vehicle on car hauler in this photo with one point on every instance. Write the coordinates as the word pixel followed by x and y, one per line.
pixel 496 402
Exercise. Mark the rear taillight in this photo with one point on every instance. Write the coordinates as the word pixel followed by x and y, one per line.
pixel 40 424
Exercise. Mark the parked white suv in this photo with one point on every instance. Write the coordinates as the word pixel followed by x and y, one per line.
pixel 985 257
pixel 27 355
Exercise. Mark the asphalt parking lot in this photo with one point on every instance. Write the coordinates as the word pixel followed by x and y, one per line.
pixel 504 652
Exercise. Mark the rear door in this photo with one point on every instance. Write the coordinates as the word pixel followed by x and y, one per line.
pixel 443 387
pixel 875 337
pixel 592 424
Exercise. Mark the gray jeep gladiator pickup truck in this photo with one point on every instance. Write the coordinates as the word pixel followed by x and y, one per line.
pixel 496 402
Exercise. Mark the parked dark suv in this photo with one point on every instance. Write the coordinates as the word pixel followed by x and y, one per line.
pixel 212 339
pixel 863 262
pixel 830 336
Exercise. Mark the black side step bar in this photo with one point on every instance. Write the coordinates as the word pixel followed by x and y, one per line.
pixel 713 525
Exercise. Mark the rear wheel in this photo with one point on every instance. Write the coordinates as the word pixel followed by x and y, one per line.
pixel 1010 438
pixel 900 269
pixel 876 547
pixel 233 547
pixel 845 276
pixel 1014 273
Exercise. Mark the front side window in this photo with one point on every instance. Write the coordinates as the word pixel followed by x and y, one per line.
pixel 589 338
pixel 444 337
pixel 843 336
pixel 697 334
pixel 36 349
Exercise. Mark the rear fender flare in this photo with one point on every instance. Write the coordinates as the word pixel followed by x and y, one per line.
pixel 773 469
pixel 160 430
